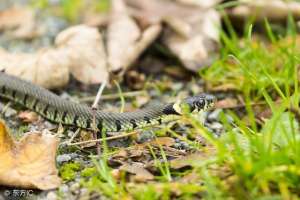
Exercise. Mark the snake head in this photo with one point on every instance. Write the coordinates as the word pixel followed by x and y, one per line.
pixel 195 103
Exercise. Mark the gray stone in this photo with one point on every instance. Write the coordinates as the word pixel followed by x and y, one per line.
pixel 214 115
pixel 75 188
pixel 51 195
pixel 63 158
pixel 216 126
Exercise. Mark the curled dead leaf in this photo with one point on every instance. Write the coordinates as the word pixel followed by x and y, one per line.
pixel 141 174
pixel 194 30
pixel 191 160
pixel 30 162
pixel 163 141
pixel 123 32
pixel 85 49
pixel 48 67
pixel 227 103
pixel 79 50
pixel 28 116
pixel 273 10
pixel 22 20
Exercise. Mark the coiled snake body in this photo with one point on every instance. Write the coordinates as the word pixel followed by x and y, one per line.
pixel 59 110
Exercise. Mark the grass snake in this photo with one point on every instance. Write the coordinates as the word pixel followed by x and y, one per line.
pixel 59 110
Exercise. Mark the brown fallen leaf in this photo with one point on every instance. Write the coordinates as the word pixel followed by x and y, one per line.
pixel 48 68
pixel 30 162
pixel 193 30
pixel 135 80
pixel 141 153
pixel 86 53
pixel 79 50
pixel 203 4
pixel 192 177
pixel 28 116
pixel 123 32
pixel 227 103
pixel 126 40
pixel 273 10
pixel 141 174
pixel 22 20
pixel 86 136
pixel 194 159
pixel 163 141
pixel 222 87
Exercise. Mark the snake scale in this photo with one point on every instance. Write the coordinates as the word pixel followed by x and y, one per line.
pixel 59 110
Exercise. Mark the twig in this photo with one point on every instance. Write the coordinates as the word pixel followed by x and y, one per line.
pixel 102 139
pixel 94 109
pixel 98 96
pixel 121 97
pixel 5 108
pixel 114 96
pixel 72 138
pixel 239 105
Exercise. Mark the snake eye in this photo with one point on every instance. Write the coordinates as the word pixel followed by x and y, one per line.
pixel 200 103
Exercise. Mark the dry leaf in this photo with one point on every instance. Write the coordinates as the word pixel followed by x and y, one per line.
pixel 203 4
pixel 194 159
pixel 163 141
pixel 21 19
pixel 192 177
pixel 86 53
pixel 194 32
pixel 28 116
pixel 47 68
pixel 125 39
pixel 222 87
pixel 79 51
pixel 273 10
pixel 123 32
pixel 198 46
pixel 141 174
pixel 147 37
pixel 227 103
pixel 135 80
pixel 30 162
pixel 95 19
pixel 86 136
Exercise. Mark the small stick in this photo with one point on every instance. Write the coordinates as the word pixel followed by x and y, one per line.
pixel 72 138
pixel 114 96
pixel 94 109
pixel 238 105
pixel 5 108
pixel 98 96
pixel 102 139
pixel 121 96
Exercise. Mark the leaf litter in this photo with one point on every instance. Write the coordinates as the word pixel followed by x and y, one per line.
pixel 180 40
pixel 29 162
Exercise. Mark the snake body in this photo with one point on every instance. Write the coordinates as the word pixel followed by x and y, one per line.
pixel 59 110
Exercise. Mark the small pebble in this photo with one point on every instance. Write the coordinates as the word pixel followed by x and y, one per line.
pixel 145 136
pixel 73 155
pixel 75 188
pixel 214 115
pixel 8 112
pixel 229 119
pixel 63 158
pixel 216 126
pixel 84 193
pixel 177 145
pixel 64 189
pixel 51 195
pixel 70 133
